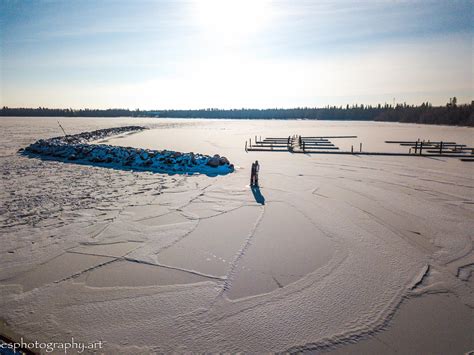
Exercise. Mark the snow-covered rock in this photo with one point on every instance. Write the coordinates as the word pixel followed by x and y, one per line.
pixel 76 148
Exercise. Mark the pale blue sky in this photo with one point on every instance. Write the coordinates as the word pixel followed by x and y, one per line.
pixel 194 54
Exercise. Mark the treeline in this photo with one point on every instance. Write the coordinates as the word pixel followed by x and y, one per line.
pixel 68 112
pixel 451 114
pixel 459 115
pixel 330 113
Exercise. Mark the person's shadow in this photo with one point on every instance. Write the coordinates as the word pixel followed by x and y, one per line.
pixel 258 195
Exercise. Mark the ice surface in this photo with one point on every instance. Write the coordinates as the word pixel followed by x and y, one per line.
pixel 58 269
pixel 211 246
pixel 125 273
pixel 158 263
pixel 286 246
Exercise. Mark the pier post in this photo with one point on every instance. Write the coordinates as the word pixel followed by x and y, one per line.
pixel 352 149
pixel 246 146
pixel 416 146
pixel 440 147
pixel 360 147
pixel 421 148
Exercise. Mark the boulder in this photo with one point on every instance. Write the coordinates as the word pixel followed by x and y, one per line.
pixel 214 162
pixel 223 161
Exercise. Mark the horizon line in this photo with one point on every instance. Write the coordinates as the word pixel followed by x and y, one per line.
pixel 345 106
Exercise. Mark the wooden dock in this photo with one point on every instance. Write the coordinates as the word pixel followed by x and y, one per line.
pixel 436 148
pixel 294 144
pixel 323 145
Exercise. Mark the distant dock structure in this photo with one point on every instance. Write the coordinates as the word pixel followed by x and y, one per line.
pixel 323 145
pixel 439 147
pixel 294 144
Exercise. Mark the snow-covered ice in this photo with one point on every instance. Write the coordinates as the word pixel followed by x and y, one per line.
pixel 343 254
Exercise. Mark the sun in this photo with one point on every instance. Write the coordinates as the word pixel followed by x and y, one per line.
pixel 231 19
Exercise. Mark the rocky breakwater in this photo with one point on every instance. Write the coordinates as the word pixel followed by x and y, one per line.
pixel 75 148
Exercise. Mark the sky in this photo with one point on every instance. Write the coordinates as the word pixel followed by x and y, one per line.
pixel 234 54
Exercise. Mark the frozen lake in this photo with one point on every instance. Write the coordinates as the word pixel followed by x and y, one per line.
pixel 342 248
pixel 229 136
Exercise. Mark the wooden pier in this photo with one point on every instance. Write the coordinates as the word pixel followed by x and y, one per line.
pixel 323 145
pixel 437 148
pixel 294 144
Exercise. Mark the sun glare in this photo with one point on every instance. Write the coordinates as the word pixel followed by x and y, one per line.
pixel 232 20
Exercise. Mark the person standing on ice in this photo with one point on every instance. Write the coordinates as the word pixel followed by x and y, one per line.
pixel 257 169
pixel 254 175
